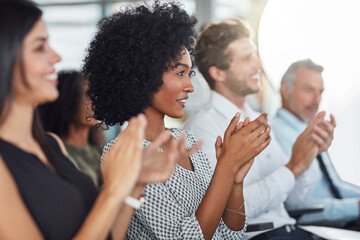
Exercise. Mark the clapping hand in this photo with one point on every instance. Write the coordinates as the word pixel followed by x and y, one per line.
pixel 122 162
pixel 244 141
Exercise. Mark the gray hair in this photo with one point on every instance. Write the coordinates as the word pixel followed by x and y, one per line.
pixel 289 77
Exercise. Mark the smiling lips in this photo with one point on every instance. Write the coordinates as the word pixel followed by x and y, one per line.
pixel 182 101
pixel 52 78
pixel 255 77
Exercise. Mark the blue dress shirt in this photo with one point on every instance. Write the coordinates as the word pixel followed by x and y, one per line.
pixel 337 212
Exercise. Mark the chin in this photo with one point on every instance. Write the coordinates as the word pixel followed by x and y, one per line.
pixel 176 115
pixel 49 98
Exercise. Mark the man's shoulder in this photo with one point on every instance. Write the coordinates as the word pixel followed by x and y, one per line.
pixel 205 115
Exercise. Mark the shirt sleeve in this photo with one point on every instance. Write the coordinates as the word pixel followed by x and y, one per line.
pixel 266 194
pixel 304 186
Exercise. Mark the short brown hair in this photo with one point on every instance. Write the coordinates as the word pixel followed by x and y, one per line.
pixel 211 46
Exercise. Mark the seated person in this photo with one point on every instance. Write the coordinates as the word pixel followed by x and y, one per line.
pixel 70 118
pixel 140 61
pixel 301 90
pixel 43 195
pixel 226 56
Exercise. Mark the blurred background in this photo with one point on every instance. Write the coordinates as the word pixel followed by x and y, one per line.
pixel 327 31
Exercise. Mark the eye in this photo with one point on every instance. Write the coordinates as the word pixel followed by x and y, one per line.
pixel 40 48
pixel 192 73
pixel 180 73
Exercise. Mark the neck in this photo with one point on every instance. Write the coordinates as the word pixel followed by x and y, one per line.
pixel 155 124
pixel 236 99
pixel 16 126
pixel 78 136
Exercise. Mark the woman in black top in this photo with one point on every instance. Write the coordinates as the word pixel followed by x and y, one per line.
pixel 42 194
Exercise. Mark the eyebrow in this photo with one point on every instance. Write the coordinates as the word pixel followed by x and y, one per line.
pixel 181 64
pixel 42 39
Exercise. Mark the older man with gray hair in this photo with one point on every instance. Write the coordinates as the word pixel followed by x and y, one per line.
pixel 301 89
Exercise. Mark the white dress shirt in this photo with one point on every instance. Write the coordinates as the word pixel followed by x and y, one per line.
pixel 268 183
pixel 336 211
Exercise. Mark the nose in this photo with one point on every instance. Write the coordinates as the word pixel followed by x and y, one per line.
pixel 317 97
pixel 55 58
pixel 188 86
pixel 257 62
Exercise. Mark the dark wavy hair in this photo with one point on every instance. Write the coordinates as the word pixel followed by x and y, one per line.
pixel 57 116
pixel 129 54
pixel 17 18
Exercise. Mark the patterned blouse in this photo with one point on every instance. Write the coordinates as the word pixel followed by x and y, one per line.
pixel 169 208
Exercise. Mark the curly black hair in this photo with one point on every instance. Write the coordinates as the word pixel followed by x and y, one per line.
pixel 129 54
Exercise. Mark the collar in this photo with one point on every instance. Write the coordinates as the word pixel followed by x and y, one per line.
pixel 228 109
pixel 291 120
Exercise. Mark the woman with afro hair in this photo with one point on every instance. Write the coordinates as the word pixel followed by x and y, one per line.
pixel 140 62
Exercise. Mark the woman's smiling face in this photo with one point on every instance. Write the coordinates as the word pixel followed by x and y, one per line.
pixel 170 99
pixel 40 83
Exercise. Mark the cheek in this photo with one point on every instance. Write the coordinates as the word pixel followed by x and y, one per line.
pixel 34 72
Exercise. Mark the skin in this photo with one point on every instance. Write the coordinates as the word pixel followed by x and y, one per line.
pixel 123 169
pixel 242 77
pixel 244 64
pixel 79 129
pixel 225 189
pixel 304 98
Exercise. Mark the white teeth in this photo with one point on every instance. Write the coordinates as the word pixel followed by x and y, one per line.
pixel 182 100
pixel 51 77
pixel 256 76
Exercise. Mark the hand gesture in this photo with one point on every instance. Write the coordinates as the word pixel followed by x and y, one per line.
pixel 324 132
pixel 122 162
pixel 242 172
pixel 306 146
pixel 242 143
pixel 158 166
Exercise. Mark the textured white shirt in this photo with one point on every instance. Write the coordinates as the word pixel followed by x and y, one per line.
pixel 268 183
pixel 169 208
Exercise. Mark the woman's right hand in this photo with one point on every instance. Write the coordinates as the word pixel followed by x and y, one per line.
pixel 158 166
pixel 242 143
pixel 122 162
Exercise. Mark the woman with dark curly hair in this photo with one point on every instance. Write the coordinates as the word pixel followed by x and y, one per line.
pixel 69 117
pixel 140 61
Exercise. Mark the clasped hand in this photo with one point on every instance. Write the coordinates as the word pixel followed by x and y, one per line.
pixel 316 138
pixel 242 142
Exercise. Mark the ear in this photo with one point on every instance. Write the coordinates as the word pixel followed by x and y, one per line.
pixel 217 74
pixel 284 91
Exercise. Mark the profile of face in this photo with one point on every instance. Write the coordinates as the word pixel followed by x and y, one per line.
pixel 171 98
pixel 85 112
pixel 39 68
pixel 304 99
pixel 243 74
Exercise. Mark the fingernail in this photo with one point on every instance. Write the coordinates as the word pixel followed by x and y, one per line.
pixel 237 114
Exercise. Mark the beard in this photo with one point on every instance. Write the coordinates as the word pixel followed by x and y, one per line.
pixel 240 87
